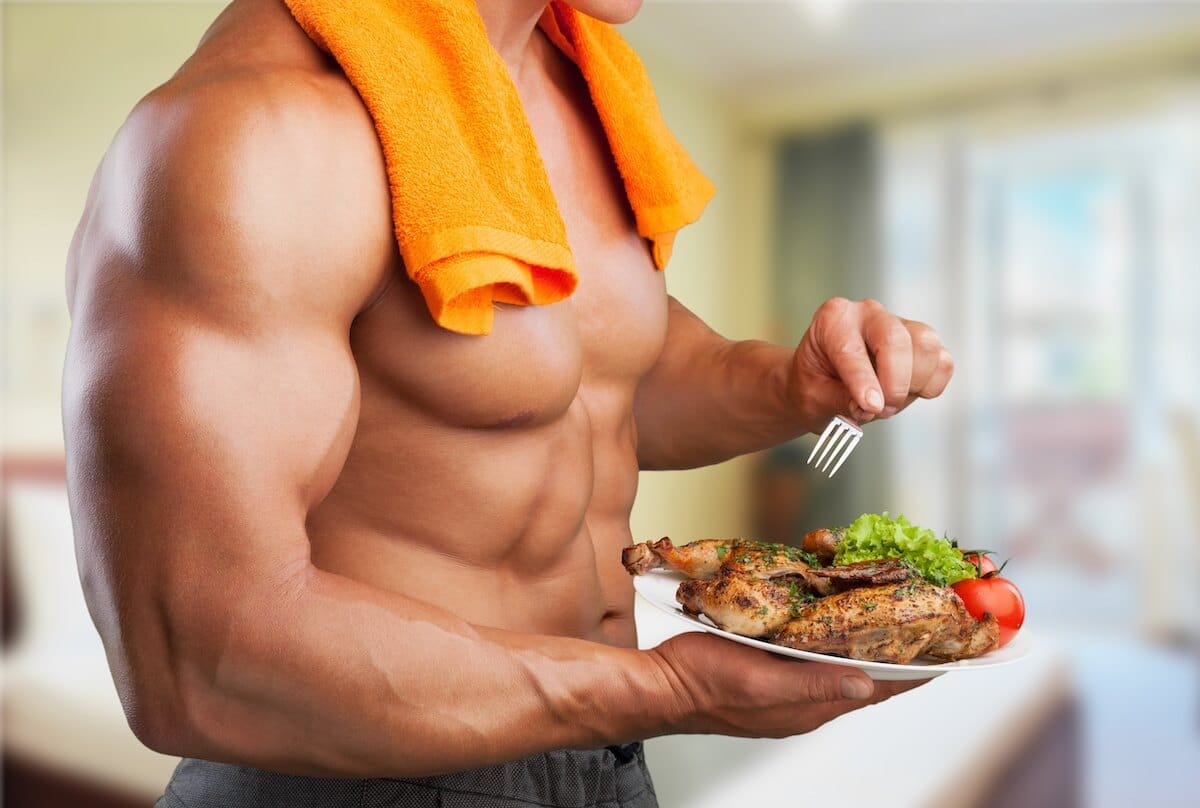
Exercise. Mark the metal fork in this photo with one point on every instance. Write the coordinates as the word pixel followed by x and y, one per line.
pixel 839 440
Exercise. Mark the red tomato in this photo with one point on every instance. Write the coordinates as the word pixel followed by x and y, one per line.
pixel 996 596
pixel 983 562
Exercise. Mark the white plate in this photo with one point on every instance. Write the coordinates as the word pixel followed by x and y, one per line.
pixel 659 587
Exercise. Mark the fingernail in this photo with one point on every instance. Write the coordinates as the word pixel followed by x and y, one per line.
pixel 874 400
pixel 855 688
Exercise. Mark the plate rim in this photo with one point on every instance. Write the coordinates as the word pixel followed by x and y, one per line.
pixel 1017 653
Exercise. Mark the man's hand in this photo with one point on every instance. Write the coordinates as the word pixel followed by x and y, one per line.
pixel 859 359
pixel 708 399
pixel 730 689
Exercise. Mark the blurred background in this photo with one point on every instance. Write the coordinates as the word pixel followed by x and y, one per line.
pixel 1025 176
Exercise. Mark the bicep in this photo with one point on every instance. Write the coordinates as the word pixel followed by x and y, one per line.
pixel 681 374
pixel 210 392
pixel 195 446
pixel 689 341
pixel 192 444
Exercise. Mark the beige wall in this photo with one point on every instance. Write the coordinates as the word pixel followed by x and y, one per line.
pixel 72 72
pixel 719 270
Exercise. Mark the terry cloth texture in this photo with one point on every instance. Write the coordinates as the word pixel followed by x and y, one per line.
pixel 613 777
pixel 472 208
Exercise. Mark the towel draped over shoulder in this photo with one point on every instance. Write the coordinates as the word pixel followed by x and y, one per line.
pixel 474 215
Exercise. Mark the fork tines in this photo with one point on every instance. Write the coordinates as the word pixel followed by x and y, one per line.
pixel 839 440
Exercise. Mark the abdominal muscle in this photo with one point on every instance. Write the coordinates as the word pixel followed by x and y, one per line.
pixel 516 525
pixel 503 530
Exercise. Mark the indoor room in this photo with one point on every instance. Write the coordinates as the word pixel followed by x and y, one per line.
pixel 1024 177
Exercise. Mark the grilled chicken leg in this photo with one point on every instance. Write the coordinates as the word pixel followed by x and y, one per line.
pixel 699 559
pixel 705 557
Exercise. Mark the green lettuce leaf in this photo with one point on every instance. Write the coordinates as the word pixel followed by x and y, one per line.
pixel 876 535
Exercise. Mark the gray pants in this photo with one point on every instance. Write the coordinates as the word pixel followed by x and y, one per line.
pixel 613 777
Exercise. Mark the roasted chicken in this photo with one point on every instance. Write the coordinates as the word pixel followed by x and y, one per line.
pixel 752 607
pixel 871 610
pixel 758 603
pixel 892 623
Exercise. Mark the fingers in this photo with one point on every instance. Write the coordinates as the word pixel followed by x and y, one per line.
pixel 818 683
pixel 736 690
pixel 827 682
pixel 890 343
pixel 881 691
pixel 932 364
pixel 838 330
pixel 761 675
pixel 938 381
pixel 808 715
pixel 870 363
pixel 802 684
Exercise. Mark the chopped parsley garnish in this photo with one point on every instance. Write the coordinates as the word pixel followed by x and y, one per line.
pixel 809 559
pixel 797 599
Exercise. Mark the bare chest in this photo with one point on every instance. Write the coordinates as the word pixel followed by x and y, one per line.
pixel 531 367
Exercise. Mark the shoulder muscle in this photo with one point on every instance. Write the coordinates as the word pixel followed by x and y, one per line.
pixel 258 191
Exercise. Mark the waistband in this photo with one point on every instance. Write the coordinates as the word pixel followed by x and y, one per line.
pixel 611 777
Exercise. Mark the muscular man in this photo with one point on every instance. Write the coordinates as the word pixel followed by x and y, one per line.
pixel 325 538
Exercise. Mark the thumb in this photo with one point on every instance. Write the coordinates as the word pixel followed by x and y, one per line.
pixel 830 397
pixel 825 683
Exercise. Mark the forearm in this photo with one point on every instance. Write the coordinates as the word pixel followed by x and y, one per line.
pixel 710 399
pixel 339 678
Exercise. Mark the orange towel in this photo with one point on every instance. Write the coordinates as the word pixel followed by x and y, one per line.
pixel 474 215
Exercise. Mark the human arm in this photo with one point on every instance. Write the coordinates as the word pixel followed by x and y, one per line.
pixel 708 398
pixel 210 398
